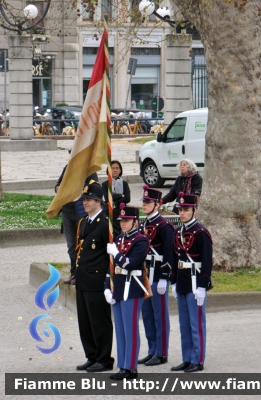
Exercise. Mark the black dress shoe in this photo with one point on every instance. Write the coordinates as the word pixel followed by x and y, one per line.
pixel 70 280
pixel 156 361
pixel 194 368
pixel 124 373
pixel 181 367
pixel 97 367
pixel 85 366
pixel 145 359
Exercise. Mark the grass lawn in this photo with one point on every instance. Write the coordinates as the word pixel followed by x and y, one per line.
pixel 19 211
pixel 26 211
pixel 143 140
pixel 244 280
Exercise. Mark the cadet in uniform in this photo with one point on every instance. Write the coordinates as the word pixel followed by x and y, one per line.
pixel 129 253
pixel 94 313
pixel 159 261
pixel 190 280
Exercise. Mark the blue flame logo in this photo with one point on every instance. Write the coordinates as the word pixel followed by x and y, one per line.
pixel 43 289
pixel 36 336
pixel 50 300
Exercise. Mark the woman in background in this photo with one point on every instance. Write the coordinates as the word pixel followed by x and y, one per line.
pixel 189 182
pixel 120 194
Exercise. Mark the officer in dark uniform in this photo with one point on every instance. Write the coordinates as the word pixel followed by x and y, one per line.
pixel 191 278
pixel 159 261
pixel 94 313
pixel 129 253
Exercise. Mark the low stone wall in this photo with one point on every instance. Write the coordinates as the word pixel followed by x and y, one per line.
pixel 216 302
pixel 27 237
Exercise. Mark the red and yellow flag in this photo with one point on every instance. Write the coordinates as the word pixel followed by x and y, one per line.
pixel 89 148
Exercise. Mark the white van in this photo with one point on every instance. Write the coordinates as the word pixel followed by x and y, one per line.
pixel 184 138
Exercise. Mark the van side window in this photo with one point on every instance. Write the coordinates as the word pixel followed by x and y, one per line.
pixel 177 131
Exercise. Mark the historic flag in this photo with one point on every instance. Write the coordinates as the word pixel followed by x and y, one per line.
pixel 89 148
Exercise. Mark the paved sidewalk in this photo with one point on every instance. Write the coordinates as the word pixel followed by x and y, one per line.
pixel 37 172
pixel 233 343
pixel 19 166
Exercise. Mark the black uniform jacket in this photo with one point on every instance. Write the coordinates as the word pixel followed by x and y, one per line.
pixel 161 237
pixel 92 258
pixel 197 243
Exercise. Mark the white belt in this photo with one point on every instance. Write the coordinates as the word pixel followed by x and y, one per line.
pixel 183 264
pixel 155 257
pixel 122 271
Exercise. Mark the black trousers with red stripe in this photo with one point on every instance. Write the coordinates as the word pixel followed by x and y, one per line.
pixel 95 326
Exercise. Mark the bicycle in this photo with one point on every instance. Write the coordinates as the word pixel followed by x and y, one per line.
pixel 138 127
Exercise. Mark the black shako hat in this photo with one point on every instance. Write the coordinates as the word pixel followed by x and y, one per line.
pixel 186 200
pixel 92 191
pixel 128 212
pixel 151 195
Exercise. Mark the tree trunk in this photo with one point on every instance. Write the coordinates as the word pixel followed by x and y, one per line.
pixel 230 203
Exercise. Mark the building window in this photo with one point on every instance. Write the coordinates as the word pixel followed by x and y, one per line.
pixel 143 51
pixel 94 50
pixel 199 81
pixel 192 31
pixel 144 86
pixel 93 12
pixel 3 54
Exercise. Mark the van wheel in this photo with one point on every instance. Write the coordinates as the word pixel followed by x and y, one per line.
pixel 151 175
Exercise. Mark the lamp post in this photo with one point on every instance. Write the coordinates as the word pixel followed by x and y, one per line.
pixel 147 7
pixel 16 24
pixel 177 65
pixel 20 65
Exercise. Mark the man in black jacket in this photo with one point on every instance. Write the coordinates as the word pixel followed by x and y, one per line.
pixel 94 313
pixel 70 218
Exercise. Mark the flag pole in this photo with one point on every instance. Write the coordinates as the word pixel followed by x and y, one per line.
pixel 108 112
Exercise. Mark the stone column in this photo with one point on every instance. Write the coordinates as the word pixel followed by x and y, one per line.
pixel 178 94
pixel 21 88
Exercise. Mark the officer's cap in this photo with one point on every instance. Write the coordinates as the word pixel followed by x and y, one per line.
pixel 186 200
pixel 150 195
pixel 92 191
pixel 128 212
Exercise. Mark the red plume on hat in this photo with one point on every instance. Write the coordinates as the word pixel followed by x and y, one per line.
pixel 122 206
pixel 145 187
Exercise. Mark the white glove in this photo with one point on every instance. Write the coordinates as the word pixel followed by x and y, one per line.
pixel 200 295
pixel 174 291
pixel 112 249
pixel 108 296
pixel 162 286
